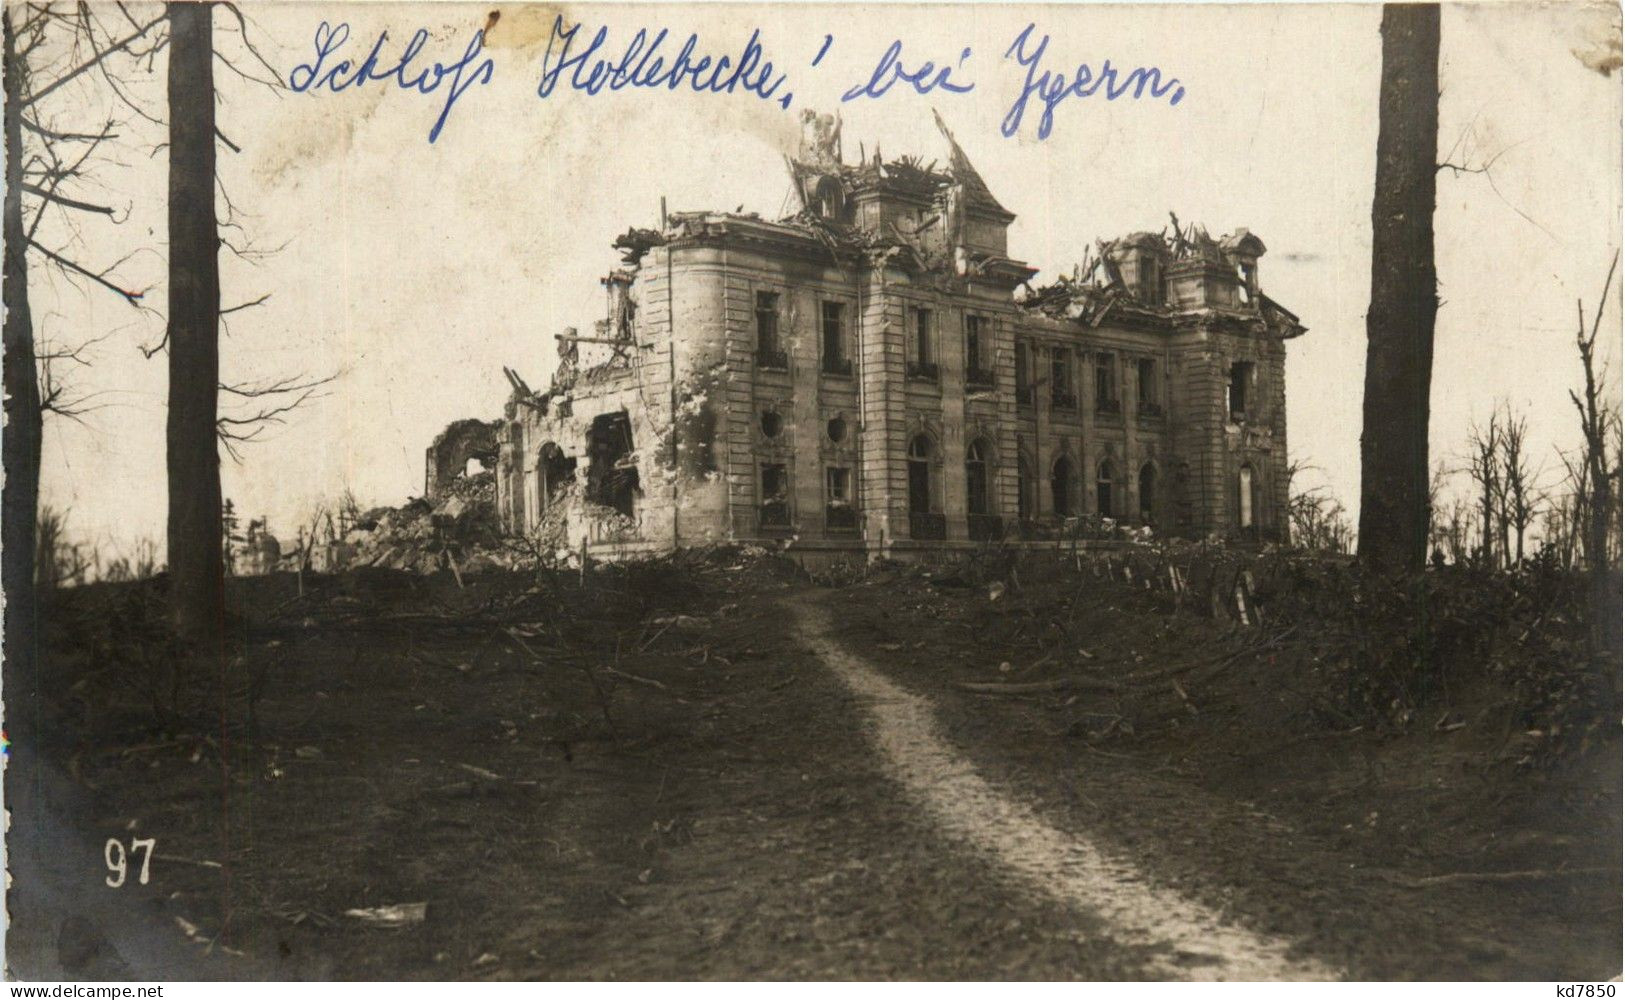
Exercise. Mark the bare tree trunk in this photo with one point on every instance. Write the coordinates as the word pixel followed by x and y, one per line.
pixel 21 438
pixel 1399 325
pixel 196 574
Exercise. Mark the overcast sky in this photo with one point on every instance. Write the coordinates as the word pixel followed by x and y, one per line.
pixel 421 269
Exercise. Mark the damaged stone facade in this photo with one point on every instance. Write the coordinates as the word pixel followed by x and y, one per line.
pixel 875 375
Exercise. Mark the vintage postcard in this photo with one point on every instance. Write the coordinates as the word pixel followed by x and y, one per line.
pixel 812 492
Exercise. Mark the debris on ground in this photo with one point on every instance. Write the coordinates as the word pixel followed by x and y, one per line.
pixel 393 916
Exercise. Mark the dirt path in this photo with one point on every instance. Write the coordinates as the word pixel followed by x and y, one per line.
pixel 1185 939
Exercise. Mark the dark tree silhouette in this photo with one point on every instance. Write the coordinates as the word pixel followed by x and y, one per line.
pixel 197 580
pixel 43 159
pixel 1399 326
pixel 21 446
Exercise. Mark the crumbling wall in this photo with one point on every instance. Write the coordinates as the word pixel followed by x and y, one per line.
pixel 447 458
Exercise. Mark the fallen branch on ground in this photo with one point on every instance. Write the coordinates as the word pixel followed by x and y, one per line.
pixel 1428 882
pixel 1162 680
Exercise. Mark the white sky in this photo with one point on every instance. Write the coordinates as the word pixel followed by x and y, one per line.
pixel 421 269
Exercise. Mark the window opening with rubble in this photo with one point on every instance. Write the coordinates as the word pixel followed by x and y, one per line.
pixel 1061 477
pixel 1105 502
pixel 836 359
pixel 839 512
pixel 775 505
pixel 612 470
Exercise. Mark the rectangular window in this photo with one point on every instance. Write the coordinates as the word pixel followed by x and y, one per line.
pixel 1150 399
pixel 1241 379
pixel 775 496
pixel 975 334
pixel 1024 374
pixel 922 336
pixel 1106 399
pixel 769 351
pixel 1060 379
pixel 1150 280
pixel 836 361
pixel 920 349
pixel 838 509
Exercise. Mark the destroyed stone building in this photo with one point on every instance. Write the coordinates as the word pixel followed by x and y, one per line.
pixel 876 375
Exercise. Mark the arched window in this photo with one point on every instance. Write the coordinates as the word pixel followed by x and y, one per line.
pixel 919 475
pixel 1247 497
pixel 1060 484
pixel 976 485
pixel 1024 488
pixel 1104 501
pixel 1148 493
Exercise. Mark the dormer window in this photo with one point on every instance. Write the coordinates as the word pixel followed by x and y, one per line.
pixel 1248 272
pixel 829 201
pixel 1150 287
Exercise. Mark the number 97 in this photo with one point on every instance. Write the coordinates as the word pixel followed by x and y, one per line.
pixel 118 863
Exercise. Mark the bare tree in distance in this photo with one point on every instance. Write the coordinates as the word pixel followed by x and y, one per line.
pixel 1399 325
pixel 1520 495
pixel 1599 428
pixel 1484 469
pixel 1317 519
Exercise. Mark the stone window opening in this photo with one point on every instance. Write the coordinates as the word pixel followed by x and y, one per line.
pixel 775 499
pixel 977 501
pixel 612 470
pixel 1247 271
pixel 976 372
pixel 922 355
pixel 829 199
pixel 1247 498
pixel 1062 395
pixel 919 475
pixel 1150 280
pixel 772 424
pixel 1024 374
pixel 1148 493
pixel 839 511
pixel 1150 399
pixel 836 360
pixel 770 351
pixel 924 522
pixel 836 429
pixel 1024 488
pixel 1106 397
pixel 1241 381
pixel 1062 475
pixel 557 473
pixel 1105 483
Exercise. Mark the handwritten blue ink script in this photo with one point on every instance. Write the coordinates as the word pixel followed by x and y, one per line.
pixel 342 74
pixel 590 63
pixel 1052 88
pixel 642 63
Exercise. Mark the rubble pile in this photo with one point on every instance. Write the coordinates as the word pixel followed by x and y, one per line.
pixel 456 531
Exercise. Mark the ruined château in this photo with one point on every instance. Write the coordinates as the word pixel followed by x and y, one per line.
pixel 875 374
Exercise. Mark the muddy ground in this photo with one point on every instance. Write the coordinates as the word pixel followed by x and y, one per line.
pixel 649 772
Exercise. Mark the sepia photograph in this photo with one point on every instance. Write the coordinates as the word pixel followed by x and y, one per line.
pixel 815 492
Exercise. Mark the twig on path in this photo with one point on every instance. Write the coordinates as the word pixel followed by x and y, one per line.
pixel 1430 881
pixel 634 677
